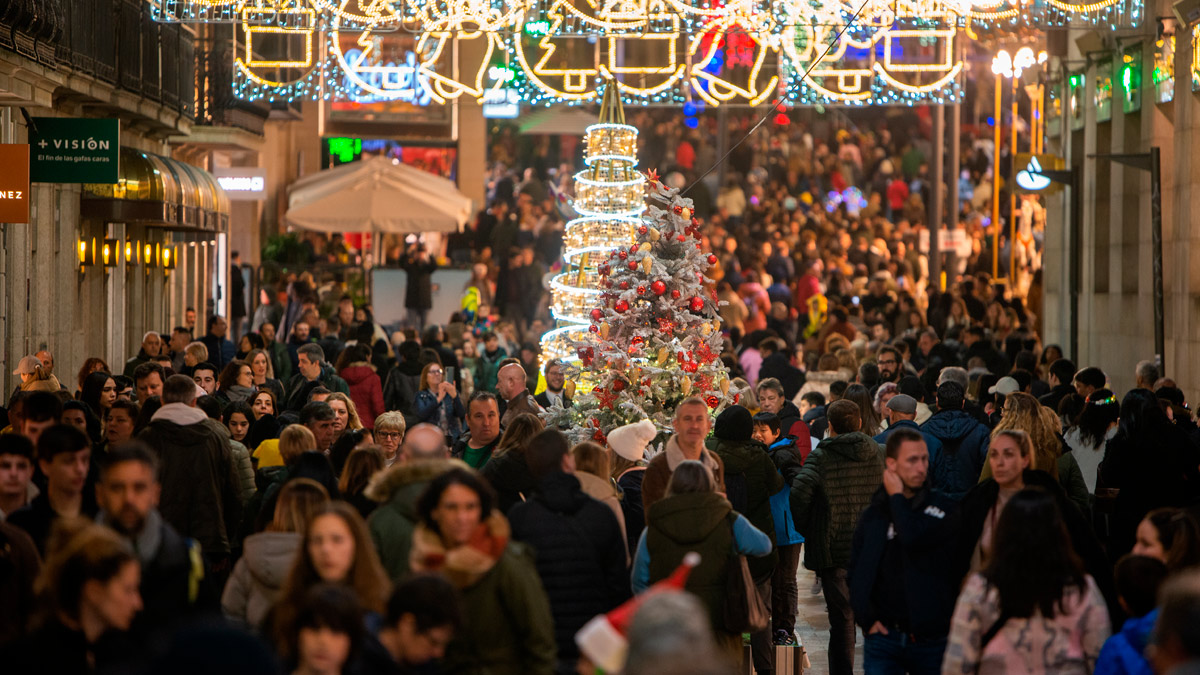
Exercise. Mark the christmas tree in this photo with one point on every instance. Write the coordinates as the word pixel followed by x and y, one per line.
pixel 609 198
pixel 654 337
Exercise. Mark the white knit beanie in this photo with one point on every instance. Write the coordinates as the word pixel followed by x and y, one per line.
pixel 630 441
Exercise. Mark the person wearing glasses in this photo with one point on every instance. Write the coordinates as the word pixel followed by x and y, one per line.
pixel 438 403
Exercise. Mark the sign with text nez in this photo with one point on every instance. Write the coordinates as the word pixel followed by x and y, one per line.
pixel 14 183
pixel 74 150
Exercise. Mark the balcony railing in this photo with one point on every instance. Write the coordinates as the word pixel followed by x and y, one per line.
pixel 114 41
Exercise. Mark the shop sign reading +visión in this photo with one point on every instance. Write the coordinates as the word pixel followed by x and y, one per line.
pixel 74 150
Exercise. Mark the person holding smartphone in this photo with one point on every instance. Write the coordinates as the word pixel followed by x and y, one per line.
pixel 438 402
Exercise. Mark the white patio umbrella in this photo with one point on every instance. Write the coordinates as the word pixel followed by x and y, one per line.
pixel 376 195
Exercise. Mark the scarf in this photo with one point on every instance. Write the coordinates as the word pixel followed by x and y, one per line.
pixel 463 565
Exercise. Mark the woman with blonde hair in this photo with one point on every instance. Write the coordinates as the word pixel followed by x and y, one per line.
pixel 345 414
pixel 593 469
pixel 507 471
pixel 263 372
pixel 1023 412
pixel 267 556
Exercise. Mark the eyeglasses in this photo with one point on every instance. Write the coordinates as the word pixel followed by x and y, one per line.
pixel 389 435
pixel 435 372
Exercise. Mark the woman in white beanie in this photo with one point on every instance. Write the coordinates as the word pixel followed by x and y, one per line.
pixel 628 444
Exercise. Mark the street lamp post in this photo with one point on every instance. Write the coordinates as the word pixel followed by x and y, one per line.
pixel 1010 66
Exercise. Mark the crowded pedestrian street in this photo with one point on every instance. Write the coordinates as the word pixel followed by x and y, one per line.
pixel 549 337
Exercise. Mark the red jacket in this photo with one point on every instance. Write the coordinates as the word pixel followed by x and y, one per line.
pixel 366 392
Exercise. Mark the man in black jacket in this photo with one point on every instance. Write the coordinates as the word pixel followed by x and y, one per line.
pixel 128 494
pixel 901 586
pixel 581 555
pixel 199 486
pixel 1062 372
pixel 64 454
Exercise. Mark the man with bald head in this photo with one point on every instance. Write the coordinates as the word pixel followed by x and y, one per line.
pixel 423 457
pixel 424 441
pixel 151 346
pixel 510 385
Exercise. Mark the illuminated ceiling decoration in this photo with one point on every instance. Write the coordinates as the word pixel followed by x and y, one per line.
pixel 430 52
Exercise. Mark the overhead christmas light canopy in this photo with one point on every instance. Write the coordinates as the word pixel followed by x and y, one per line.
pixel 561 51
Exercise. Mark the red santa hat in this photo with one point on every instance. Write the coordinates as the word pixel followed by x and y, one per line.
pixel 602 640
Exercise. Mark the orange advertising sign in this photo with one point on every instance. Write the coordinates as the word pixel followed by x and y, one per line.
pixel 14 183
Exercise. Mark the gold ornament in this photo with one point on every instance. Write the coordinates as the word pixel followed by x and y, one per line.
pixel 686 385
pixel 716 325
pixel 604 327
pixel 663 354
pixel 654 234
pixel 569 389
pixel 686 214
pixel 725 387
pixel 644 247
pixel 706 328
pixel 647 263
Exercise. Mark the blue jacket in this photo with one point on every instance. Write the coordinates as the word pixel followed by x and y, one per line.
pixel 781 512
pixel 964 447
pixel 426 409
pixel 1123 653
pixel 931 442
pixel 927 528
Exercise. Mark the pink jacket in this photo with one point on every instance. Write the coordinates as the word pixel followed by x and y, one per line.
pixel 1064 644
pixel 365 390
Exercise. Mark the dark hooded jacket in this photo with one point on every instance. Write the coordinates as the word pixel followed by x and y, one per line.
pixel 509 476
pixel 200 488
pixel 965 441
pixel 748 463
pixel 397 489
pixel 579 553
pixel 700 522
pixel 832 490
pixel 400 390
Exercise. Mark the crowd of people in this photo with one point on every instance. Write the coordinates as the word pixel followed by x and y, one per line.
pixel 318 493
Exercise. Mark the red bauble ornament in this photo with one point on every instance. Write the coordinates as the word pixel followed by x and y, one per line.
pixel 597 314
pixel 712 259
pixel 594 328
pixel 619 385
pixel 678 210
pixel 658 287
pixel 675 294
pixel 699 247
pixel 641 290
pixel 637 341
pixel 682 238
pixel 621 306
pixel 735 398
pixel 696 304
pixel 599 437
pixel 622 255
pixel 713 402
pixel 624 285
pixel 633 266
pixel 642 229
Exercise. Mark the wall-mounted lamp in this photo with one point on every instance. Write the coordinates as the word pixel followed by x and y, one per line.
pixel 110 252
pixel 168 259
pixel 147 252
pixel 85 253
pixel 130 250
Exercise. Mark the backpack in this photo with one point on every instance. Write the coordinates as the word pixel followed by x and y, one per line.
pixel 736 492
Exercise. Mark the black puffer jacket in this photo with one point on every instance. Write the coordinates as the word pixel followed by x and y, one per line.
pixel 580 556
pixel 509 476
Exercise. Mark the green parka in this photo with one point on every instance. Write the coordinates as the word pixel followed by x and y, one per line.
pixel 397 489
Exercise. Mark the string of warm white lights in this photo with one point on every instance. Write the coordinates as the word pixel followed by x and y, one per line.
pixel 556 51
